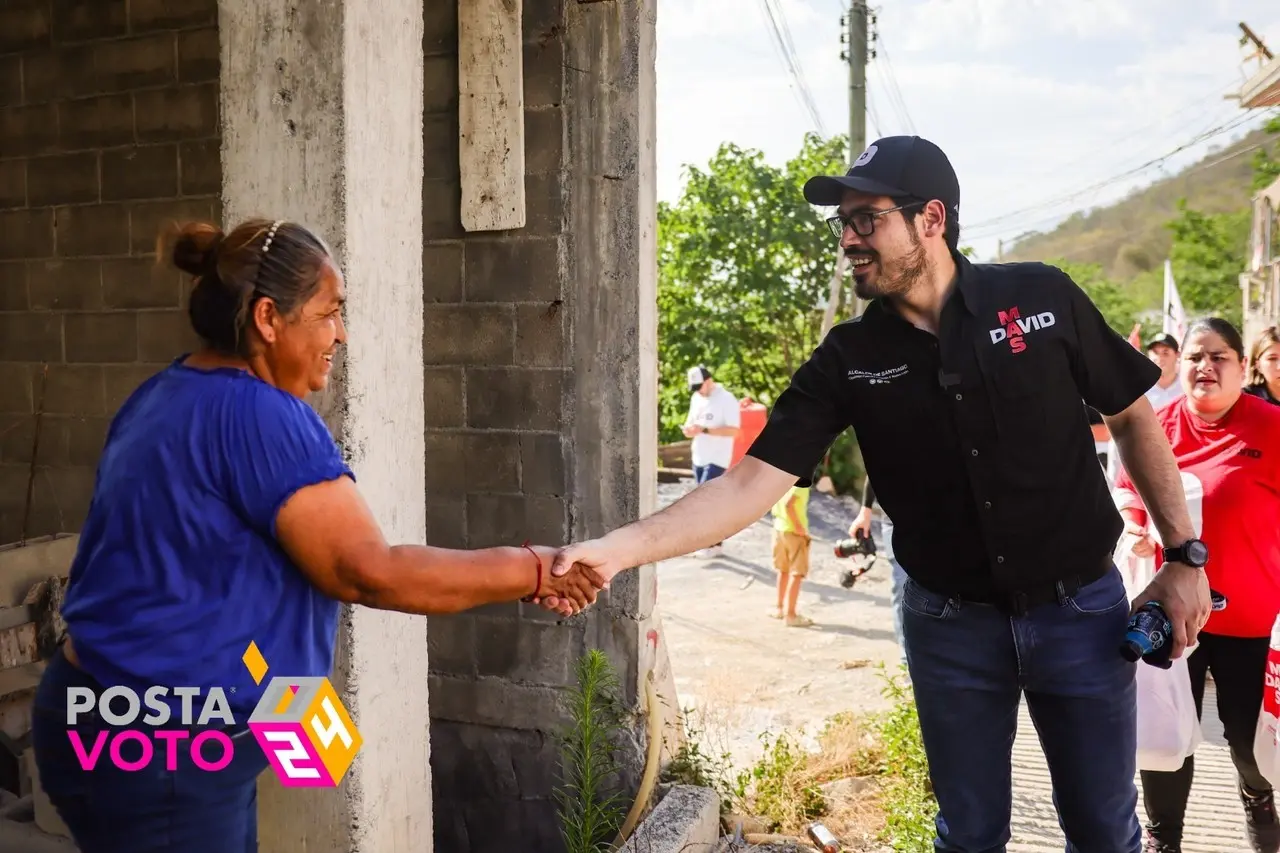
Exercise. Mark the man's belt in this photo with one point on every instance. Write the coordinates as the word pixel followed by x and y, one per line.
pixel 1018 602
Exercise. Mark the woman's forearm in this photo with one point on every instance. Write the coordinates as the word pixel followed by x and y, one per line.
pixel 1134 516
pixel 426 580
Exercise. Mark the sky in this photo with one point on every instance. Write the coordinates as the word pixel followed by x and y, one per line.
pixel 1044 107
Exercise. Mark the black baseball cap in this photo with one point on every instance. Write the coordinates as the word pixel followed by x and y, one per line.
pixel 1163 339
pixel 893 166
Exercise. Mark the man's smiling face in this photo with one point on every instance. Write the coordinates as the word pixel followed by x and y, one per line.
pixel 889 260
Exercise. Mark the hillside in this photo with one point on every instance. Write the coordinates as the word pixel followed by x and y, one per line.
pixel 1129 238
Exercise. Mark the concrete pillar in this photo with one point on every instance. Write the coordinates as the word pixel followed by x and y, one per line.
pixel 322 122
pixel 540 353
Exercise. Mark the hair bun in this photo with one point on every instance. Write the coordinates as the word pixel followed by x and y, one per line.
pixel 195 247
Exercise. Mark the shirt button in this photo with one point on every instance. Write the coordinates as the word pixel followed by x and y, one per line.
pixel 974 452
pixel 986 504
pixel 999 559
pixel 959 396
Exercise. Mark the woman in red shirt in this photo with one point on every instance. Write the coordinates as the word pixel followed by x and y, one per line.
pixel 1230 441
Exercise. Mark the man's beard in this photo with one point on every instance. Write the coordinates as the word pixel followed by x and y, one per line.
pixel 897 276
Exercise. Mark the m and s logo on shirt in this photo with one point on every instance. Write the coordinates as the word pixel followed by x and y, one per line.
pixel 1014 327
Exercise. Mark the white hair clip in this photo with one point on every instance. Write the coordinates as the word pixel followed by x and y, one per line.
pixel 271 235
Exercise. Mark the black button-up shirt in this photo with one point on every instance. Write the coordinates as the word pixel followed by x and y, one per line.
pixel 977 440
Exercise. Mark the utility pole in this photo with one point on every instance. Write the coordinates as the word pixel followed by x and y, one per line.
pixel 854 36
pixel 1260 51
pixel 856 57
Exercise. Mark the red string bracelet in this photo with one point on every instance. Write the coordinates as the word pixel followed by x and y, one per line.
pixel 538 560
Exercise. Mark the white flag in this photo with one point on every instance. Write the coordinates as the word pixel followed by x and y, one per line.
pixel 1175 319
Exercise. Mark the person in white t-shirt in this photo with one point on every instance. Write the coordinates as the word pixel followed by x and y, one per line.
pixel 714 420
pixel 1163 350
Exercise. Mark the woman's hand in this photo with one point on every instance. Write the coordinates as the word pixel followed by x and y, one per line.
pixel 570 593
pixel 1143 545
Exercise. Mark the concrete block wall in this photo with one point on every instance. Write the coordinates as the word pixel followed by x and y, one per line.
pixel 108 128
pixel 497 382
pixel 535 344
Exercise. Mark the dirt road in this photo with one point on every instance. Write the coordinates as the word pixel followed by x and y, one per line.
pixel 746 673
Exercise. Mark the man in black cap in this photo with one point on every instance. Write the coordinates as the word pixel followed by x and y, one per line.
pixel 964 383
pixel 1163 349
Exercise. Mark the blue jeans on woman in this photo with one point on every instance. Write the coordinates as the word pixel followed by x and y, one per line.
pixel 970 665
pixel 151 810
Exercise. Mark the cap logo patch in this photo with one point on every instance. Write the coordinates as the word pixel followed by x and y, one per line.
pixel 865 157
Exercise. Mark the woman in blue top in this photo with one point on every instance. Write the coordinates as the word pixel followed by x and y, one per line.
pixel 224 515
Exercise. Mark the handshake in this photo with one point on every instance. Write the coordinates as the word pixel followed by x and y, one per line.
pixel 569 578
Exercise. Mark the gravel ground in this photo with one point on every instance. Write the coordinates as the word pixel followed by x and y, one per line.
pixel 747 673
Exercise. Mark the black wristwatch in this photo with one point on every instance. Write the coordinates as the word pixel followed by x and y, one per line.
pixel 1193 553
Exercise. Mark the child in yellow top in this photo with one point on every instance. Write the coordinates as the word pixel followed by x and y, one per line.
pixel 791 553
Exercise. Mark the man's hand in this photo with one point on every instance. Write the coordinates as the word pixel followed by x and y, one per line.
pixel 861 523
pixel 1183 592
pixel 592 556
pixel 690 430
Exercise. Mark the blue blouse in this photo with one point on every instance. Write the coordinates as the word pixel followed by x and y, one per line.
pixel 178 568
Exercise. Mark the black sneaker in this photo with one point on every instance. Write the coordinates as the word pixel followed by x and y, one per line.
pixel 1260 817
pixel 1154 846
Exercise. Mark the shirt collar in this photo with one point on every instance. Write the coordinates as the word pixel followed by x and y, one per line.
pixel 967 282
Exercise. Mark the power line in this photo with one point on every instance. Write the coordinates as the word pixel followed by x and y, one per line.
pixel 874 116
pixel 1049 220
pixel 1114 142
pixel 1202 137
pixel 891 82
pixel 781 34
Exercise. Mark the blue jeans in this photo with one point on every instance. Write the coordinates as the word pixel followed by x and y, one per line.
pixel 703 473
pixel 970 664
pixel 152 810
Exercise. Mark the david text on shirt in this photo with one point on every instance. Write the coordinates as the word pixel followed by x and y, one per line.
pixel 1013 327
pixel 300 724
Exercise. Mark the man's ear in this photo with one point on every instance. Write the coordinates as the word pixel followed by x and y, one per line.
pixel 935 218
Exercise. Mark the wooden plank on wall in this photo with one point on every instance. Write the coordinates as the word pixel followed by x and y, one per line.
pixel 491 114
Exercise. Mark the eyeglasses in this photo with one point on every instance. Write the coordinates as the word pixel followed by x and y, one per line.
pixel 863 222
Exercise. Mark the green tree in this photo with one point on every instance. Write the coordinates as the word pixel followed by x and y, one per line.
pixel 1266 162
pixel 1116 303
pixel 744 270
pixel 1209 252
pixel 744 266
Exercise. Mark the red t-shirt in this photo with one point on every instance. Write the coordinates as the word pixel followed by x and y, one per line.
pixel 1237 459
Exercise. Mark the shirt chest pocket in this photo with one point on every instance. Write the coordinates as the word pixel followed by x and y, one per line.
pixel 1035 407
